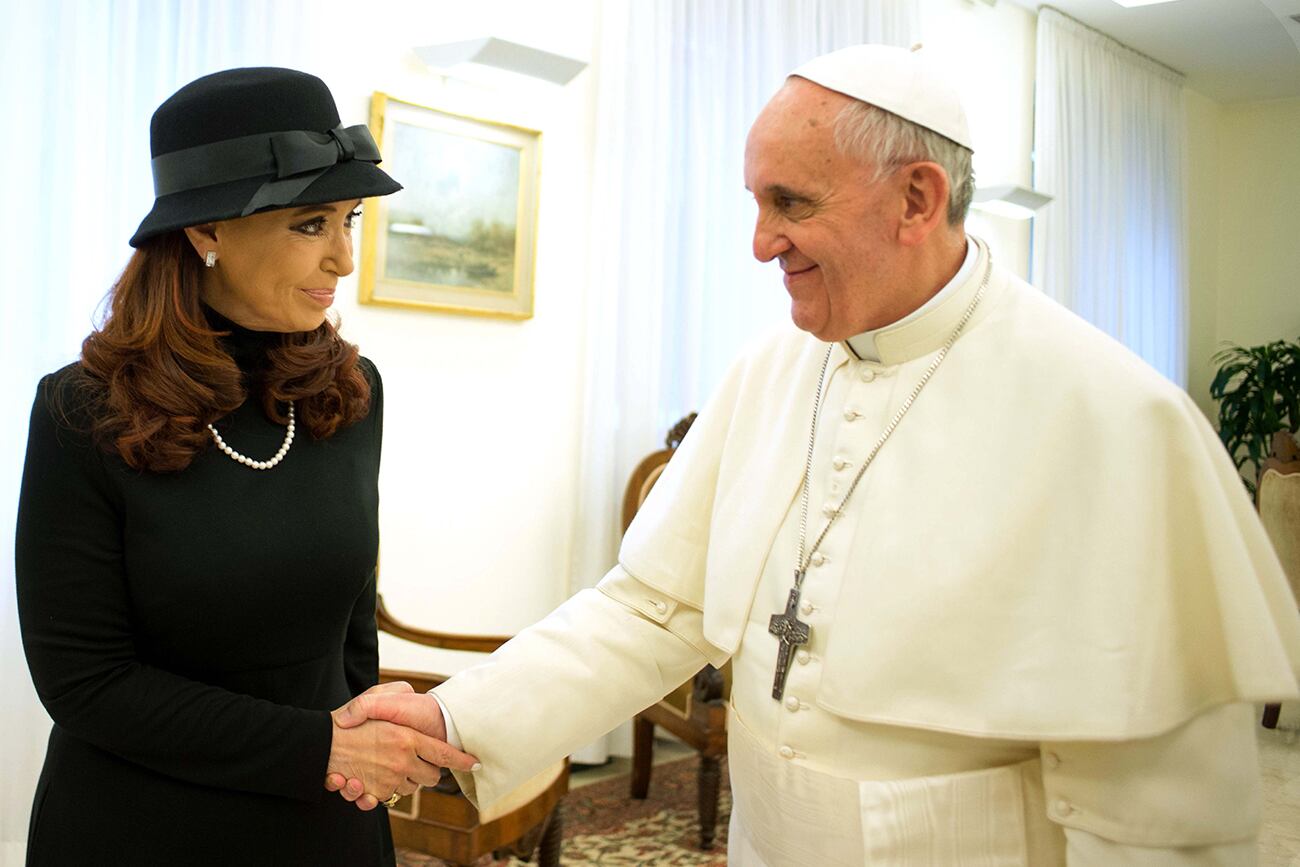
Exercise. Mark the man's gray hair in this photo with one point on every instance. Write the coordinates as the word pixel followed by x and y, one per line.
pixel 867 133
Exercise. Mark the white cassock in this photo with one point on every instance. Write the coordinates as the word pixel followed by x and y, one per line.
pixel 1035 630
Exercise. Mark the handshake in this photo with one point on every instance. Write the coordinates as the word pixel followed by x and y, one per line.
pixel 387 742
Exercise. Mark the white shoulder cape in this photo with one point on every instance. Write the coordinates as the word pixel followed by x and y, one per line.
pixel 1054 545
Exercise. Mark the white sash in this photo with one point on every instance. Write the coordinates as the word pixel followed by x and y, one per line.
pixel 787 815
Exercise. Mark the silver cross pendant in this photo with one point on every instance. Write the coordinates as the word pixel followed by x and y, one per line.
pixel 791 632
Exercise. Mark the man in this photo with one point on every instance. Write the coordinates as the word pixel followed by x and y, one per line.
pixel 1000 600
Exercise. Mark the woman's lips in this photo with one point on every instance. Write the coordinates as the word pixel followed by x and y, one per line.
pixel 323 297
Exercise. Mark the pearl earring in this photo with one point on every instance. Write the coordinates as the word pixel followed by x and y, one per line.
pixel 211 259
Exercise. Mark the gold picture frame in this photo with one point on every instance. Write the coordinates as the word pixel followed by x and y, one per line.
pixel 461 237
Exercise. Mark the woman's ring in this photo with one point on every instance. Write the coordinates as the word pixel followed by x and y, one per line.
pixel 392 801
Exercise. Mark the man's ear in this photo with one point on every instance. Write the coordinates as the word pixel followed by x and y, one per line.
pixel 203 238
pixel 925 192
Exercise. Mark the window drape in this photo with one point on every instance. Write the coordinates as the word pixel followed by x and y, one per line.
pixel 1109 146
pixel 675 292
pixel 81 79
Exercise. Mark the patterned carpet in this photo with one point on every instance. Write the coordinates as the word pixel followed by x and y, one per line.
pixel 605 827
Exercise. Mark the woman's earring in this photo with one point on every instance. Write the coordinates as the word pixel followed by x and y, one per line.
pixel 211 259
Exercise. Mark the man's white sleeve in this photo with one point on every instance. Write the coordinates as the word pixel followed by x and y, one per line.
pixel 595 661
pixel 453 736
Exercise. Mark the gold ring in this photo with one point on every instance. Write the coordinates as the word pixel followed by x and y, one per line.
pixel 392 801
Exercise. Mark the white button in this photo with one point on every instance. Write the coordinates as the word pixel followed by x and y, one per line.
pixel 785 753
pixel 852 415
pixel 1064 807
pixel 839 463
pixel 661 607
pixel 806 608
pixel 1053 760
pixel 803 656
pixel 828 509
pixel 791 703
pixel 818 558
pixel 867 374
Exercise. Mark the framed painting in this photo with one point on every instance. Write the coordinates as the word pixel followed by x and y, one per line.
pixel 461 236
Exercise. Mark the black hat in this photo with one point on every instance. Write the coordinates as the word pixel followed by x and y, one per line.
pixel 246 140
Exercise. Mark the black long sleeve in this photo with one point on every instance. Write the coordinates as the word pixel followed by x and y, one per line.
pixel 81 640
pixel 189 633
pixel 361 650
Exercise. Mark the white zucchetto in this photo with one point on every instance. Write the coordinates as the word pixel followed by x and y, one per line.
pixel 899 81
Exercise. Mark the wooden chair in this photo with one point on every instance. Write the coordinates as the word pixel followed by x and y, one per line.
pixel 696 711
pixel 440 821
pixel 1277 496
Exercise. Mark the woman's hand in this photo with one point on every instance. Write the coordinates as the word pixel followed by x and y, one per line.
pixel 386 758
pixel 403 707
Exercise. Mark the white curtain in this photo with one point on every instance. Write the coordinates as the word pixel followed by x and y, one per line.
pixel 674 290
pixel 81 79
pixel 1108 141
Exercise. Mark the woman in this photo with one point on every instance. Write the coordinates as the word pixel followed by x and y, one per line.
pixel 196 577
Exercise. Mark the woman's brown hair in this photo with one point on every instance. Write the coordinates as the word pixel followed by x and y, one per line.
pixel 160 376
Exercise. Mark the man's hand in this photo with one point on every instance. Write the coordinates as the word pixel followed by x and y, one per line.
pixel 415 710
pixel 393 704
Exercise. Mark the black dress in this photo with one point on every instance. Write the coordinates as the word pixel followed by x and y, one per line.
pixel 190 632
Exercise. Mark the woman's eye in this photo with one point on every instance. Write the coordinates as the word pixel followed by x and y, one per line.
pixel 352 218
pixel 312 227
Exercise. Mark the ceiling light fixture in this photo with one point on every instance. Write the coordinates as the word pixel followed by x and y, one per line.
pixel 468 59
pixel 1129 4
pixel 1009 200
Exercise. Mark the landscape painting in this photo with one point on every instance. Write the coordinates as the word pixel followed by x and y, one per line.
pixel 459 236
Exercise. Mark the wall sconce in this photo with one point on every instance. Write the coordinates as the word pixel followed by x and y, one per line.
pixel 481 59
pixel 1009 200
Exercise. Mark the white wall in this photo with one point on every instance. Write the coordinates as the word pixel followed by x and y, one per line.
pixel 1243 223
pixel 989 52
pixel 1259 223
pixel 481 415
pixel 1204 164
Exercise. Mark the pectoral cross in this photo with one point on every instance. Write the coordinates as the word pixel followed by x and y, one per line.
pixel 791 632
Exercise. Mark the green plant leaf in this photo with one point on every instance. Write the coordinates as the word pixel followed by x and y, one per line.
pixel 1258 392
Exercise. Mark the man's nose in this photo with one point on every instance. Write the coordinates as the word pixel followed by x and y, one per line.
pixel 768 243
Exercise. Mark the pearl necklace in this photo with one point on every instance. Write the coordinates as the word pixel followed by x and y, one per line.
pixel 249 462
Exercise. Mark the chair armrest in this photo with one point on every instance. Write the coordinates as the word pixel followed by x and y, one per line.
pixel 637 489
pixel 430 638
pixel 420 681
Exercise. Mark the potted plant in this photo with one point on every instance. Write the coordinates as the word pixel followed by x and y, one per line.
pixel 1258 390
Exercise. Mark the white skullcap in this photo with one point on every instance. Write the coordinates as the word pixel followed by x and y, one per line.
pixel 897 80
